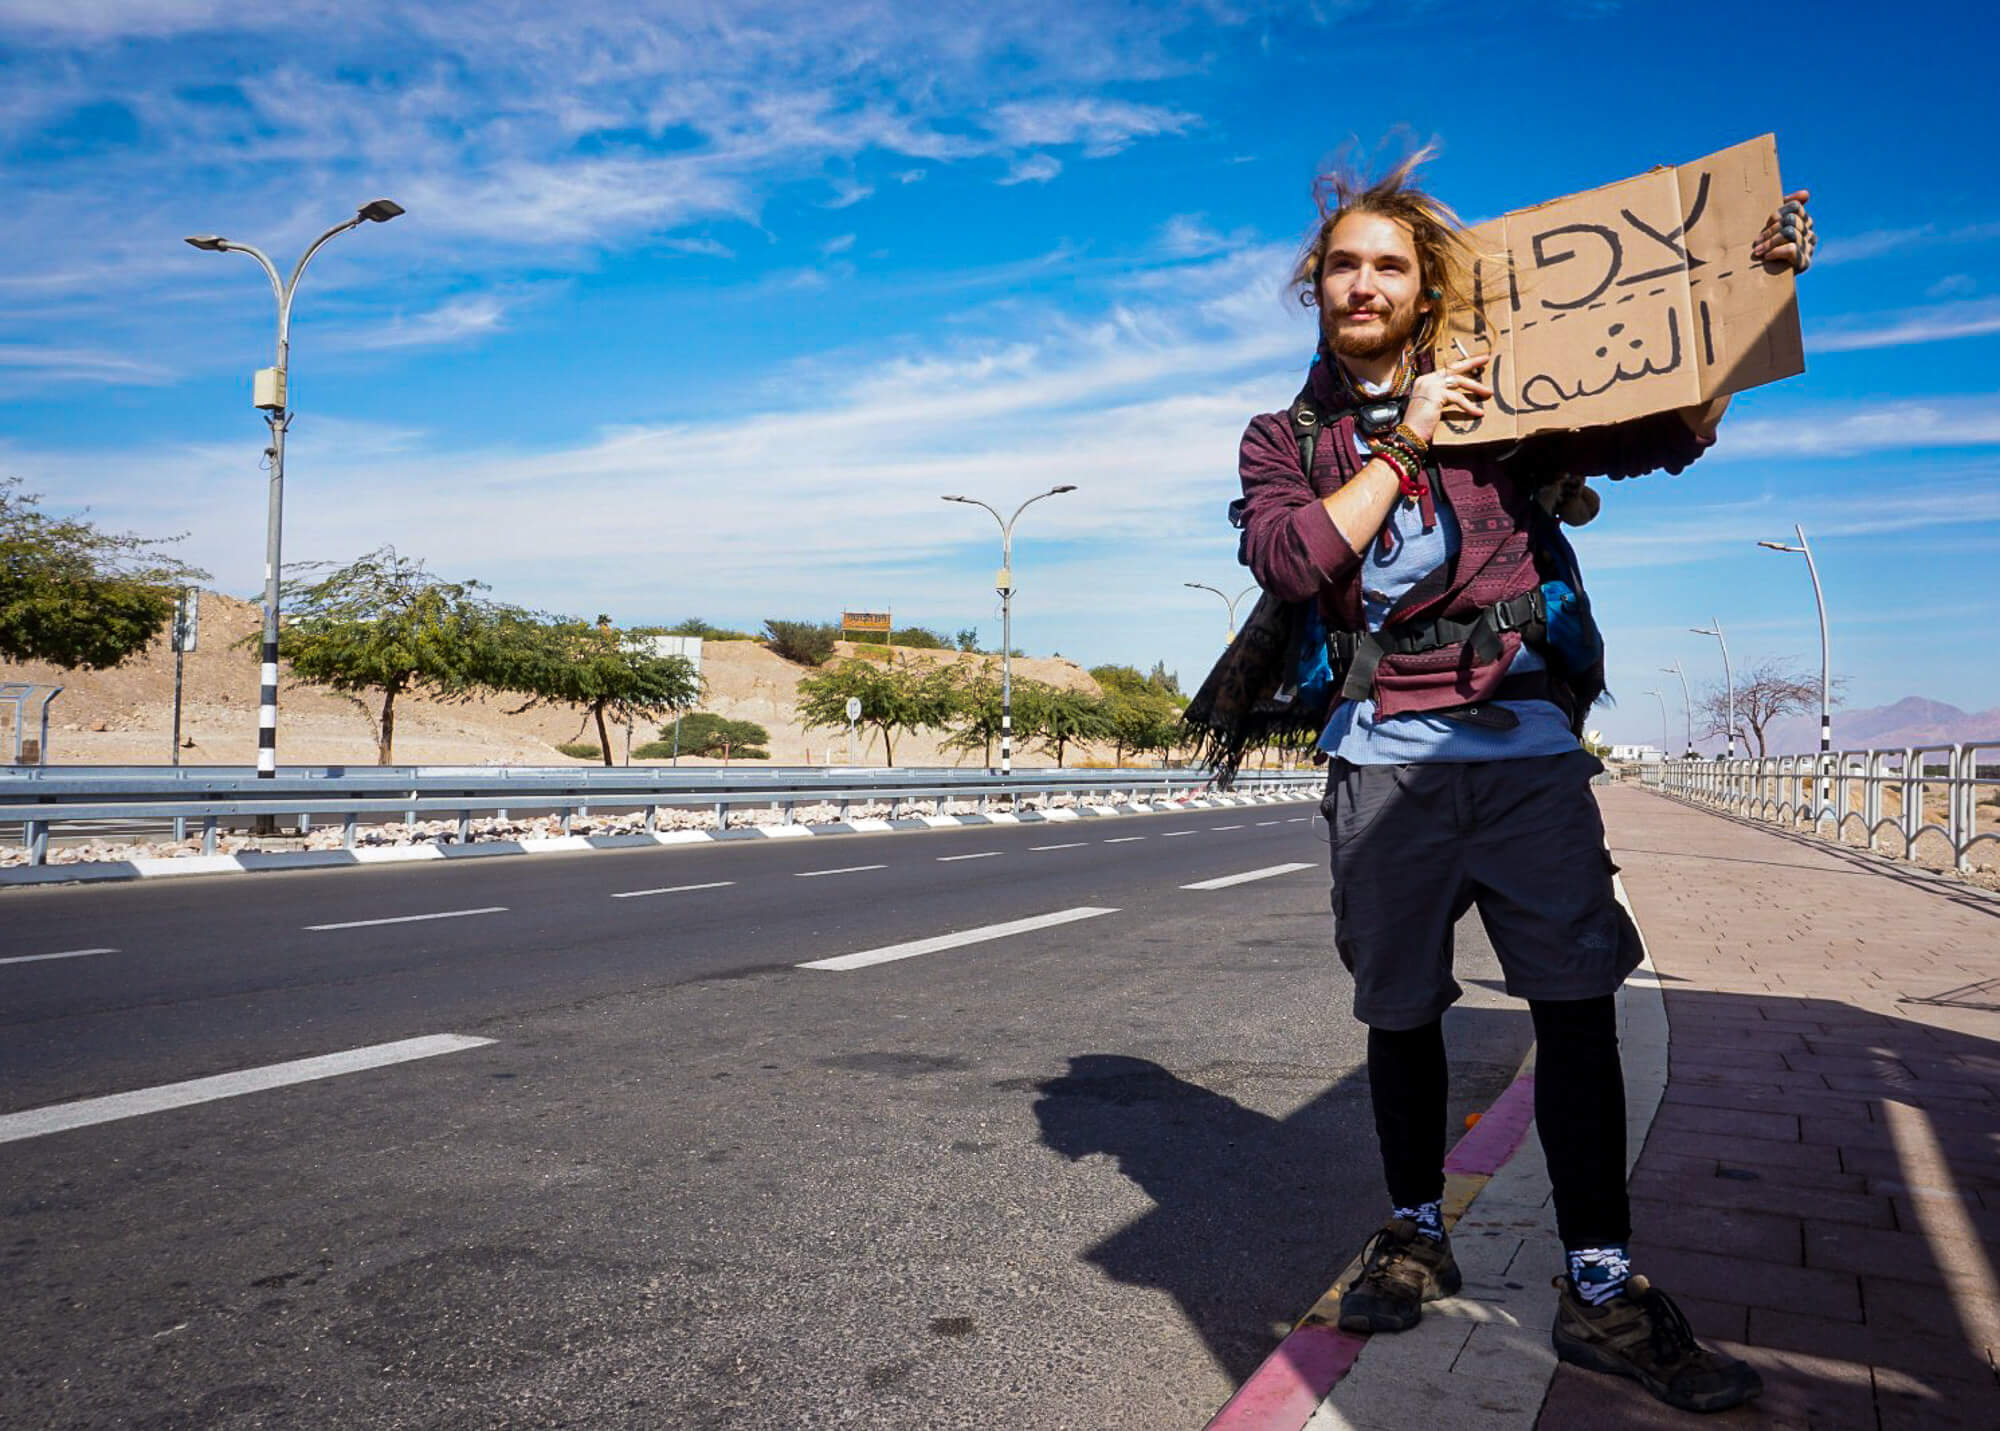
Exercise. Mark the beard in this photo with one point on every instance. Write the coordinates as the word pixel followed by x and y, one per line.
pixel 1379 340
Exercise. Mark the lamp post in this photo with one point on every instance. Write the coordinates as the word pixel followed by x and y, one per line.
pixel 1666 737
pixel 1227 598
pixel 1825 646
pixel 268 393
pixel 1729 680
pixel 1003 582
pixel 1687 707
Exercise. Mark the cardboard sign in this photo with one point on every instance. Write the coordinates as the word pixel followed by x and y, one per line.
pixel 1631 299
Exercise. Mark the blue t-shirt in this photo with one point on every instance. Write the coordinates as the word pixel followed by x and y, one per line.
pixel 1357 736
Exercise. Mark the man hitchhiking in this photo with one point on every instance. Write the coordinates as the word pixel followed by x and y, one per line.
pixel 1456 774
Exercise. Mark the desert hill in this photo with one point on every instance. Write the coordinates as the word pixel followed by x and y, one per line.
pixel 125 715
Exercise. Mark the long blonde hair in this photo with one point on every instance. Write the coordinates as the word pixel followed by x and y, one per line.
pixel 1445 254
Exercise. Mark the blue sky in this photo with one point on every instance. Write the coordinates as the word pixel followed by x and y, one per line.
pixel 697 309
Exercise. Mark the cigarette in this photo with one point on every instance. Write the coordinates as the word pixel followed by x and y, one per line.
pixel 1460 347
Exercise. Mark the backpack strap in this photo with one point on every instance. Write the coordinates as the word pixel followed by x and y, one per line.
pixel 1306 424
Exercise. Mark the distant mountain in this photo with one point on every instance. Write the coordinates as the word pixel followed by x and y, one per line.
pixel 1913 720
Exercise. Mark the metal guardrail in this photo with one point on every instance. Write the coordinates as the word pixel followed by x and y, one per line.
pixel 1877 798
pixel 123 795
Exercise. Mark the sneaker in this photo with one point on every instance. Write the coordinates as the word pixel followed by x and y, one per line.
pixel 1401 1269
pixel 1641 1334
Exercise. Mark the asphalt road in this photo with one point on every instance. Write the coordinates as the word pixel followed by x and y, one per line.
pixel 1081 1175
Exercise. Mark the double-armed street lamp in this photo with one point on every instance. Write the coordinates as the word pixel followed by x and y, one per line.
pixel 1003 582
pixel 268 393
pixel 1729 681
pixel 1687 706
pixel 1227 598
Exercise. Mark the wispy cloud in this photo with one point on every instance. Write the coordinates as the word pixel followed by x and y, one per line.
pixel 1032 169
pixel 1967 319
pixel 1919 240
pixel 454 321
pixel 1857 430
pixel 1101 126
pixel 35 363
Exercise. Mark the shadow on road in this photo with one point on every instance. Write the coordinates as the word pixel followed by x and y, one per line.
pixel 1254 1214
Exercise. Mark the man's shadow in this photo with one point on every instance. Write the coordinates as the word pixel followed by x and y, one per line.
pixel 1254 1215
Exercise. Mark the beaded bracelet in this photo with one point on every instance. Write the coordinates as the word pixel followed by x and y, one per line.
pixel 1407 466
pixel 1405 433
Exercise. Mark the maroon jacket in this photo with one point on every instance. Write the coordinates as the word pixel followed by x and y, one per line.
pixel 1297 554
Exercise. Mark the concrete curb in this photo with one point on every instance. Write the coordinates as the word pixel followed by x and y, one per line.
pixel 254 862
pixel 1480 1361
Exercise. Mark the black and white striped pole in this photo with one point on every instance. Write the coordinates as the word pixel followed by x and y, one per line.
pixel 268 393
pixel 1804 549
pixel 1003 583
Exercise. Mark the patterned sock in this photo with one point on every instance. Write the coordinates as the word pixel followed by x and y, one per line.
pixel 1428 1216
pixel 1599 1273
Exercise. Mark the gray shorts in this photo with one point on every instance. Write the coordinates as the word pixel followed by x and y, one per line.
pixel 1415 846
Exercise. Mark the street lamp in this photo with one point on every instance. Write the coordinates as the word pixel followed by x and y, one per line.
pixel 1825 667
pixel 1729 679
pixel 1666 737
pixel 1231 600
pixel 1003 582
pixel 1687 707
pixel 268 393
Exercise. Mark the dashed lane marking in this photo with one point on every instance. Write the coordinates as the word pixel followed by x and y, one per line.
pixel 982 855
pixel 1298 820
pixel 1227 880
pixel 60 1117
pixel 674 889
pixel 1176 834
pixel 1225 827
pixel 1072 845
pixel 911 950
pixel 1124 839
pixel 845 869
pixel 64 954
pixel 412 918
pixel 1262 823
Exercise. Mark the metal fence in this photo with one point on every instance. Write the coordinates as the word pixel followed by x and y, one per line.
pixel 211 800
pixel 1931 804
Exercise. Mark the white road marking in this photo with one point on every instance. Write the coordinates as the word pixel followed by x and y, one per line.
pixel 59 1117
pixel 1247 876
pixel 1073 845
pixel 982 855
pixel 1262 823
pixel 915 947
pixel 848 869
pixel 1124 839
pixel 1298 820
pixel 1178 833
pixel 674 889
pixel 65 954
pixel 1225 827
pixel 412 918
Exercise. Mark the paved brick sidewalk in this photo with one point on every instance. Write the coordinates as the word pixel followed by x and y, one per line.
pixel 1821 1188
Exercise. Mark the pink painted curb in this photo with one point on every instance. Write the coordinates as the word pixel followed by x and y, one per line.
pixel 1292 1381
pixel 1495 1138
pixel 1282 1393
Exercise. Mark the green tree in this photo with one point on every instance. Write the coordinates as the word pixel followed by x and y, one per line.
pixel 609 673
pixel 384 625
pixel 706 734
pixel 967 639
pixel 810 643
pixel 1059 718
pixel 894 699
pixel 75 595
pixel 975 717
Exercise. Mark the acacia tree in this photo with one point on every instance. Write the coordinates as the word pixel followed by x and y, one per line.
pixel 611 674
pixel 894 699
pixel 1772 688
pixel 384 625
pixel 75 595
pixel 1060 718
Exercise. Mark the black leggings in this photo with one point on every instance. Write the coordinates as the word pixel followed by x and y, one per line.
pixel 1579 1110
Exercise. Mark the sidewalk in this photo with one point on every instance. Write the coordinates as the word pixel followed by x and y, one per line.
pixel 1821 1185
pixel 1813 1086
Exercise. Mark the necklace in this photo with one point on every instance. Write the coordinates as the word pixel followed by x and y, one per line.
pixel 1400 381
